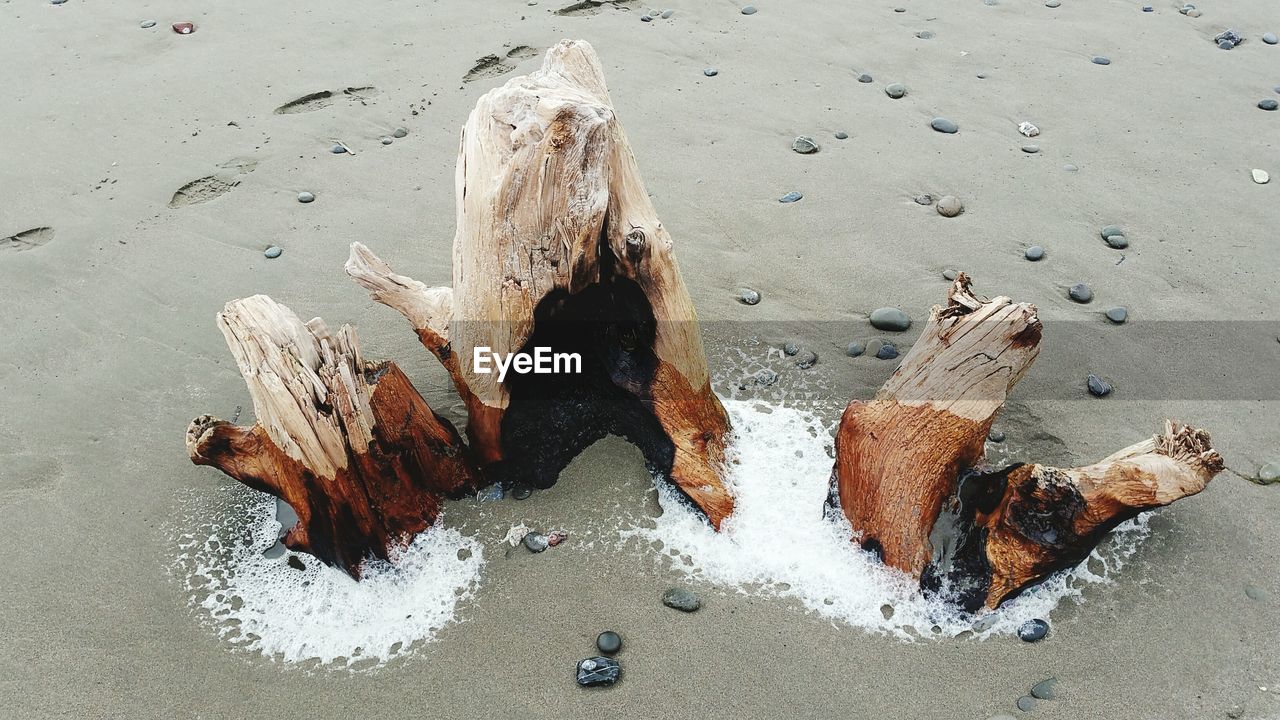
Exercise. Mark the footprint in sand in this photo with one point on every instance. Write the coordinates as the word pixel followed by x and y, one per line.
pixel 492 66
pixel 27 239
pixel 201 190
pixel 591 7
pixel 324 98
pixel 521 52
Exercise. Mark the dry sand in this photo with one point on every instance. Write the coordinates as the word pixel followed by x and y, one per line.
pixel 109 347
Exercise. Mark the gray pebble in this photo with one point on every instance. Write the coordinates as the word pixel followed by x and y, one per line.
pixel 805 145
pixel 1043 690
pixel 1080 293
pixel 1270 38
pixel 950 206
pixel 996 436
pixel 681 599
pixel 896 90
pixel 747 296
pixel 1270 472
pixel 521 492
pixel 890 318
pixel 790 349
pixel 1253 592
pixel 1225 44
pixel 387 140
pixel 1033 630
pixel 855 349
pixel 536 542
pixel 899 9
pixel 749 10
pixel 984 623
pixel 790 197
pixel 1268 104
pixel 1070 168
pixel 864 78
pixel 609 642
pixel 148 24
pixel 1110 230
pixel 887 351
pixel 305 197
pixel 400 132
pixel 666 14
pixel 1097 386
pixel 807 359
pixel 1119 242
pixel 925 34
pixel 925 199
pixel 950 274
pixel 1034 253
pixel 765 377
pixel 1026 703
pixel 944 125
pixel 1052 4
pixel 338 149
pixel 1031 149
pixel 842 135
pixel 711 72
pixel 1117 315
pixel 1101 60
pixel 273 252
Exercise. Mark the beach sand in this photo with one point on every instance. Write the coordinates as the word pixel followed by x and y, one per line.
pixel 109 345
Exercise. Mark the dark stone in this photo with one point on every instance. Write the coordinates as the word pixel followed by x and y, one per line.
pixel 791 197
pixel 950 274
pixel 338 149
pixel 864 78
pixel 1026 703
pixel 1268 104
pixel 925 199
pixel 536 542
pixel 925 34
pixel 805 145
pixel 1228 39
pixel 747 296
pixel 887 351
pixel 295 562
pixel 148 24
pixel 1097 386
pixel 855 349
pixel 646 18
pixel 765 377
pixel 521 492
pixel 842 135
pixel 711 72
pixel 890 318
pixel 609 642
pixel 400 132
pixel 1033 630
pixel 1043 690
pixel 996 436
pixel 790 349
pixel 1101 60
pixel 1034 253
pixel 1117 315
pixel 896 90
pixel 1118 242
pixel 1080 293
pixel 595 671
pixel 807 359
pixel 944 125
pixel 681 599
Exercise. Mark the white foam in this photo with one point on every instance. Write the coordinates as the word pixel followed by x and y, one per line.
pixel 320 614
pixel 778 541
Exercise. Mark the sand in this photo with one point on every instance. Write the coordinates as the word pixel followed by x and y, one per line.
pixel 109 346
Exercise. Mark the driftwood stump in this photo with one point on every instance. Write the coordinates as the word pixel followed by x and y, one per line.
pixel 350 445
pixel 558 246
pixel 905 465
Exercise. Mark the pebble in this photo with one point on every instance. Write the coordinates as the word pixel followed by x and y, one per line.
pixel 749 10
pixel 596 671
pixel 1026 703
pixel 1268 104
pixel 864 78
pixel 1117 315
pixel 1080 293
pixel 711 72
pixel 950 274
pixel 681 599
pixel 765 377
pixel 1270 472
pixel 184 28
pixel 747 296
pixel 1148 8
pixel 1260 176
pixel 944 125
pixel 646 18
pixel 273 252
pixel 899 9
pixel 338 149
pixel 842 135
pixel 1031 149
pixel 807 359
pixel 294 561
pixel 56 2
pixel 1253 592
pixel 305 197
pixel 890 318
pixel 1270 38
pixel 1228 39
pixel 400 132
pixel 896 90
pixel 1097 386
pixel 1034 253
pixel 790 349
pixel 1043 690
pixel 1194 13
pixel 1101 60
pixel 1033 630
pixel 386 140
pixel 521 492
pixel 925 34
pixel 925 199
pixel 950 206
pixel 804 145
pixel 666 14
pixel 887 351
pixel 1052 4
pixel 1119 242
pixel 147 24
pixel 536 542
pixel 984 623
pixel 1110 230
pixel 855 349
pixel 609 642
pixel 790 197
pixel 996 436
pixel 1070 168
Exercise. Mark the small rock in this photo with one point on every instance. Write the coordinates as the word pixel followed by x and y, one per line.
pixel 950 274
pixel 790 349
pixel 890 318
pixel 842 135
pixel 1097 386
pixel 925 199
pixel 147 24
pixel 273 252
pixel 598 671
pixel 306 197
pixel 666 14
pixel 1043 690
pixel 646 18
pixel 790 197
pixel 556 537
pixel 1253 592
pixel 984 623
pixel 1148 8
pixel 1034 253
pixel 996 436
pixel 400 132
pixel 950 206
pixel 899 9
pixel 807 359
pixel 944 125
pixel 386 140
pixel 1026 703
pixel 1101 60
pixel 536 542
pixel 1270 38
pixel 864 78
pixel 1070 168
pixel 1230 38
pixel 804 145
pixel 855 349
pixel 56 2
pixel 493 493
pixel 1111 230
pixel 609 642
pixel 1225 44
pixel 1260 176
pixel 681 599
pixel 1268 104
pixel 1033 630
pixel 295 562
pixel 184 28
pixel 1052 4
pixel 1235 712
pixel 1269 473
pixel 896 90
pixel 925 34
pixel 1031 149
pixel 887 351
pixel 338 149
pixel 521 492
pixel 1117 315
pixel 1080 293
pixel 765 377
pixel 749 10
pixel 1118 242
pixel 747 296
pixel 1193 13
pixel 711 72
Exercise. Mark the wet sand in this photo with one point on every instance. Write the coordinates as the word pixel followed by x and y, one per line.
pixel 110 347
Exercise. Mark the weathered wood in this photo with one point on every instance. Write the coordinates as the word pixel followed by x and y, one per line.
pixel 906 465
pixel 350 445
pixel 559 246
